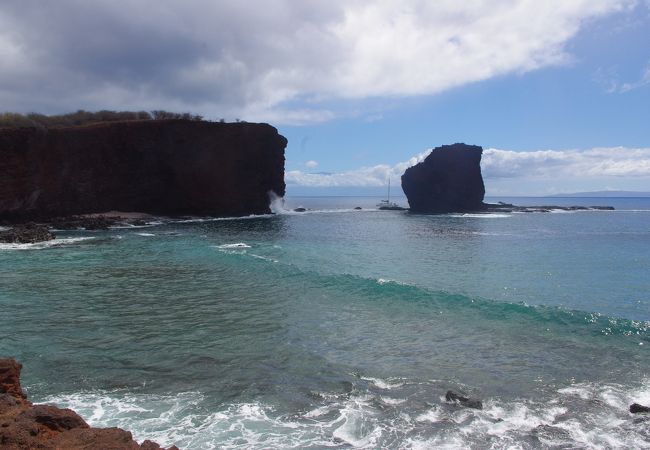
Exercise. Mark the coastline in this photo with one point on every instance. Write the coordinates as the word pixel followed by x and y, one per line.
pixel 26 425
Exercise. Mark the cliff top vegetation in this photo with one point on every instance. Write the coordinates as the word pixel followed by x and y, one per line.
pixel 81 117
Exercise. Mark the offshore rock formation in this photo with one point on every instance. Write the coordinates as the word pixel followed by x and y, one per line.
pixel 28 233
pixel 453 397
pixel 169 167
pixel 635 408
pixel 25 425
pixel 448 180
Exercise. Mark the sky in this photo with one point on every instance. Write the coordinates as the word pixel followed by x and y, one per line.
pixel 556 92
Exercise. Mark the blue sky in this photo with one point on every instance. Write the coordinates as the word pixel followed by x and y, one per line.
pixel 557 92
pixel 577 105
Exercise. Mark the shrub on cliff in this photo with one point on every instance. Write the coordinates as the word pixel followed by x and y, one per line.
pixel 81 117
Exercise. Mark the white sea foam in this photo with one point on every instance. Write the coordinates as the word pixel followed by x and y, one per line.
pixel 43 245
pixel 384 384
pixel 264 258
pixel 482 215
pixel 386 281
pixel 579 416
pixel 236 245
pixel 145 234
pixel 392 401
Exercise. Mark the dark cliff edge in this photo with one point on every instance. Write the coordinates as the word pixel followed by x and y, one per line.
pixel 448 180
pixel 24 425
pixel 166 167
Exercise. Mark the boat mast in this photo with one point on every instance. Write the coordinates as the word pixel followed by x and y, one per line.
pixel 388 200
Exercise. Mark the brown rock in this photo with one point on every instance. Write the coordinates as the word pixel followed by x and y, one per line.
pixel 10 378
pixel 53 418
pixel 169 167
pixel 27 426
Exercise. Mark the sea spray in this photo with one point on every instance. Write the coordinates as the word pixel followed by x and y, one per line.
pixel 276 203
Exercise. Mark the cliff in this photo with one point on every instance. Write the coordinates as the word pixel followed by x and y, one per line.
pixel 168 167
pixel 25 425
pixel 448 180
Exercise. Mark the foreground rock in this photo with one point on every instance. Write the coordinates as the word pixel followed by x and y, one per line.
pixel 28 233
pixel 164 167
pixel 24 425
pixel 635 408
pixel 451 396
pixel 448 180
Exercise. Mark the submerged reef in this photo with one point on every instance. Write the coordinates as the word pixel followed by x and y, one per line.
pixel 168 167
pixel 25 425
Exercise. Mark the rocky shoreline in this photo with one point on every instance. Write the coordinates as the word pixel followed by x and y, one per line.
pixel 509 208
pixel 24 425
pixel 33 232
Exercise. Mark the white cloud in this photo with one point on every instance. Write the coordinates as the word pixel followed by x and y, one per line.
pixel 545 165
pixel 267 60
pixel 596 162
pixel 363 177
pixel 608 78
pixel 311 164
pixel 643 81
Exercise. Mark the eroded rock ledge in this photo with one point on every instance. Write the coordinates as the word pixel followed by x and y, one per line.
pixel 24 425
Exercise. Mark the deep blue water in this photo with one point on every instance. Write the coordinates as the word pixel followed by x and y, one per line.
pixel 344 328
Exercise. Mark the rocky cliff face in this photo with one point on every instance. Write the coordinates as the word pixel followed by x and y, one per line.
pixel 448 180
pixel 170 167
pixel 24 425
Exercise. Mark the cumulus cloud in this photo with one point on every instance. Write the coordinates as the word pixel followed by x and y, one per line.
pixel 311 164
pixel 363 177
pixel 275 60
pixel 596 162
pixel 498 164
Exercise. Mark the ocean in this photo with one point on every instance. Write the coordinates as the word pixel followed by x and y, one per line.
pixel 342 328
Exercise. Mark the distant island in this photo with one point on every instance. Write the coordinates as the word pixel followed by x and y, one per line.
pixel 602 194
pixel 159 163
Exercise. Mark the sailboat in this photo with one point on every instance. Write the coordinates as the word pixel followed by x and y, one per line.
pixel 387 205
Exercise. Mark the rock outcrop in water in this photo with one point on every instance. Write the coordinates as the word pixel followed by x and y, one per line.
pixel 169 167
pixel 635 408
pixel 28 233
pixel 448 180
pixel 24 425
pixel 451 396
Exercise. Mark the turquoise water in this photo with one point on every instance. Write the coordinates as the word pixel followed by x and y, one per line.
pixel 344 328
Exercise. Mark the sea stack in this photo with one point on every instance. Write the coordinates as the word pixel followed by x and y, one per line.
pixel 168 167
pixel 448 180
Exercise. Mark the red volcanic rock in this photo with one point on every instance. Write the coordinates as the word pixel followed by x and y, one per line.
pixel 27 426
pixel 10 379
pixel 171 167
